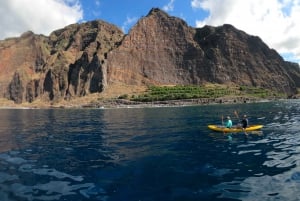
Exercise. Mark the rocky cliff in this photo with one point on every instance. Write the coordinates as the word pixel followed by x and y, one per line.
pixel 87 58
pixel 69 63
pixel 161 49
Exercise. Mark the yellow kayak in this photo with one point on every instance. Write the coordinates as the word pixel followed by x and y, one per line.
pixel 234 129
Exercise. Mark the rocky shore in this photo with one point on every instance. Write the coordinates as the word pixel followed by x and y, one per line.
pixel 123 103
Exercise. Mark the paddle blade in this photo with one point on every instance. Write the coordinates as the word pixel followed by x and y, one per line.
pixel 236 114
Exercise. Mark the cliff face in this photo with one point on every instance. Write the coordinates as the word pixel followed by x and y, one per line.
pixel 77 63
pixel 237 57
pixel 81 59
pixel 163 50
pixel 20 58
pixel 158 50
pixel 69 63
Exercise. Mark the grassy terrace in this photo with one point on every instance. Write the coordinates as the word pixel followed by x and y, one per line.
pixel 164 93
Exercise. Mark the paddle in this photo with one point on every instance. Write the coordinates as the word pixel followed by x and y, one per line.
pixel 223 124
pixel 222 120
pixel 237 115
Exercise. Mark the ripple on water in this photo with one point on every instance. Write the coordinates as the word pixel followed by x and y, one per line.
pixel 262 188
pixel 280 176
pixel 57 188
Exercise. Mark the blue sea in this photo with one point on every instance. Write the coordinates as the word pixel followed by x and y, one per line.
pixel 150 154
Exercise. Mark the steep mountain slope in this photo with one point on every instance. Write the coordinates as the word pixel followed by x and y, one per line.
pixel 244 59
pixel 158 50
pixel 20 59
pixel 69 63
pixel 163 50
pixel 96 56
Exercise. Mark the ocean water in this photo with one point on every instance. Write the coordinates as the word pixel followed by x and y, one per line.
pixel 145 154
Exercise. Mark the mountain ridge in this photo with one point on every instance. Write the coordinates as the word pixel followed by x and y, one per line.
pixel 83 59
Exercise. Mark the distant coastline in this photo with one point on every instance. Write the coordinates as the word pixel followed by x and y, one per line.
pixel 120 103
pixel 124 103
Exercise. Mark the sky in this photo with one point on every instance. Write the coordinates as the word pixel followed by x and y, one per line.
pixel 274 21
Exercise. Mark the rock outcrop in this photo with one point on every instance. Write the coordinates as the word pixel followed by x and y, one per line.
pixel 86 58
pixel 69 63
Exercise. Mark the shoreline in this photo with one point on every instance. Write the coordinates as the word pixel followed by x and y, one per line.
pixel 120 103
pixel 111 103
pixel 123 103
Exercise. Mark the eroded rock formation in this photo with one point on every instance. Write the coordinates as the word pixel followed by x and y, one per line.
pixel 69 63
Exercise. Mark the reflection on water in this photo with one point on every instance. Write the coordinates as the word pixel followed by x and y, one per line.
pixel 149 154
pixel 22 179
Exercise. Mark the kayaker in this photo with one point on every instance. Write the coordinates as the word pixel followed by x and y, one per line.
pixel 244 123
pixel 228 123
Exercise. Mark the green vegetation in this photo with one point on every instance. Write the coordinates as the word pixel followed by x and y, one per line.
pixel 260 92
pixel 163 93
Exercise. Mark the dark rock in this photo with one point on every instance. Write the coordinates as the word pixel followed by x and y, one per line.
pixel 16 89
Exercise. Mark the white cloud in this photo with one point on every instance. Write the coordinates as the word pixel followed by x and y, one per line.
pixel 129 21
pixel 274 21
pixel 196 4
pixel 39 16
pixel 169 6
pixel 97 3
